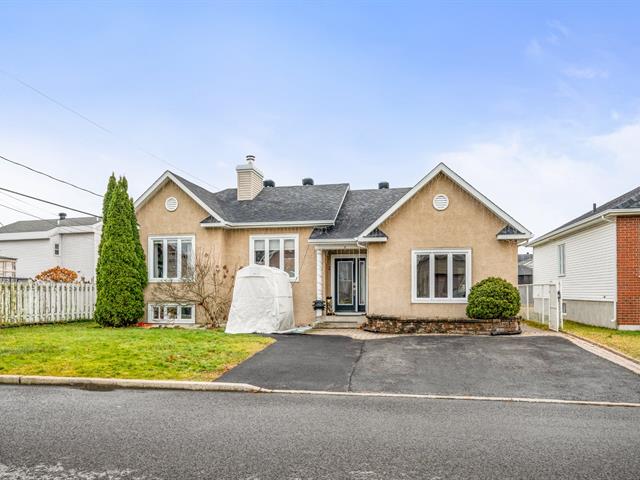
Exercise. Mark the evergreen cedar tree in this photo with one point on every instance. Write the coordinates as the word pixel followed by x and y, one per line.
pixel 493 298
pixel 119 280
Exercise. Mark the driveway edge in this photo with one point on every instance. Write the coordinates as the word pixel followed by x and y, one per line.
pixel 88 382
pixel 604 352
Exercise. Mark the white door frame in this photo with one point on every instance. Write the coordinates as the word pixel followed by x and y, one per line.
pixel 356 257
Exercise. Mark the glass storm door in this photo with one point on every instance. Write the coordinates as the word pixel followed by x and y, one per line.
pixel 350 285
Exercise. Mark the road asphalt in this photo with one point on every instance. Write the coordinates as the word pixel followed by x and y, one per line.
pixel 513 366
pixel 60 433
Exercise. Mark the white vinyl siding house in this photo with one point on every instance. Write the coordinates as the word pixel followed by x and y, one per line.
pixel 43 244
pixel 589 272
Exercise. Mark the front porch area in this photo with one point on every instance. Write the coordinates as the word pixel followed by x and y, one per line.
pixel 341 286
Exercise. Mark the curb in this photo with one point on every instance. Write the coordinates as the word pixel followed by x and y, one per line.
pixel 428 396
pixel 88 382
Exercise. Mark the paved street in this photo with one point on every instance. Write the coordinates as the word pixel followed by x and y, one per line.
pixel 59 433
pixel 534 366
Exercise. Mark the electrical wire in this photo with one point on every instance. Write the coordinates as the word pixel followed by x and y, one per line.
pixel 52 222
pixel 50 176
pixel 51 203
pixel 101 127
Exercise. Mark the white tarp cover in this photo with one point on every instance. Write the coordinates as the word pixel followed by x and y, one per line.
pixel 262 301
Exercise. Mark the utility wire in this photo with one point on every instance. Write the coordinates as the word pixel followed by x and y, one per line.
pixel 50 176
pixel 52 222
pixel 51 203
pixel 18 199
pixel 101 127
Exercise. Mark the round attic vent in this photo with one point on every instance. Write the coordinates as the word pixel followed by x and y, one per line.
pixel 440 201
pixel 171 204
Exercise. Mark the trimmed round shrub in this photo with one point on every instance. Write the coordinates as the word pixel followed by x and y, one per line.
pixel 493 298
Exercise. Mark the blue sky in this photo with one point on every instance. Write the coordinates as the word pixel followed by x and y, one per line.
pixel 538 106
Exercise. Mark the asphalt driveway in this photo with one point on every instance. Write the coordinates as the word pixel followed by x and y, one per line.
pixel 534 366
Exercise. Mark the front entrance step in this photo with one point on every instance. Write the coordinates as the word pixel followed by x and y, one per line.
pixel 352 321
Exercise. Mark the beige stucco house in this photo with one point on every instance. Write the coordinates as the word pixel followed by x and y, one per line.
pixel 406 252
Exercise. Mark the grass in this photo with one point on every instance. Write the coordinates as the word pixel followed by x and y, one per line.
pixel 84 349
pixel 623 341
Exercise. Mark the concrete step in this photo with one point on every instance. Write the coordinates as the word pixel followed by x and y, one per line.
pixel 333 325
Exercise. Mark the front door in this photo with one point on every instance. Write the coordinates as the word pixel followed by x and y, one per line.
pixel 350 284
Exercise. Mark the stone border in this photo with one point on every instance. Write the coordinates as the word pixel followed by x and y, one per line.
pixel 464 326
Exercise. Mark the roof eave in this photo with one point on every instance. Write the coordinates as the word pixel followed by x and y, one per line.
pixel 513 236
pixel 297 223
pixel 584 223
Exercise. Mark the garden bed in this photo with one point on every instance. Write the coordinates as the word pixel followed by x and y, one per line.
pixel 462 326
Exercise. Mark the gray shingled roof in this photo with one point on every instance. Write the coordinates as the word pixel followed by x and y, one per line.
pixel 299 203
pixel 30 226
pixel 360 209
pixel 631 199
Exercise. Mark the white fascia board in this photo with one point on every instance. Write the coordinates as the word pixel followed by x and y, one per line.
pixel 584 223
pixel 442 168
pixel 332 241
pixel 161 181
pixel 372 239
pixel 309 223
pixel 513 236
pixel 27 235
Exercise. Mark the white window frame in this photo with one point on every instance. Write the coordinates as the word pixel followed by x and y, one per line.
pixel 282 238
pixel 562 259
pixel 449 252
pixel 178 320
pixel 165 239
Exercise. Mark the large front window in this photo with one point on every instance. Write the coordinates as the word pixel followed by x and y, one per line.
pixel 440 276
pixel 276 251
pixel 171 257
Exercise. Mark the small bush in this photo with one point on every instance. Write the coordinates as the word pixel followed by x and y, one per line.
pixel 493 298
pixel 58 275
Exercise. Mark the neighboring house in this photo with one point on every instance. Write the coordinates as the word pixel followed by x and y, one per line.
pixel 525 269
pixel 408 252
pixel 596 258
pixel 38 245
pixel 7 267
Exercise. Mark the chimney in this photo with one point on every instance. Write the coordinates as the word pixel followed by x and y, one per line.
pixel 61 216
pixel 594 208
pixel 383 185
pixel 249 179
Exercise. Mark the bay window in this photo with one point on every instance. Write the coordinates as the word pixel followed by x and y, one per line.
pixel 172 258
pixel 275 251
pixel 440 276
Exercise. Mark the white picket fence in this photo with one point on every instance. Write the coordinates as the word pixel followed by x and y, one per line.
pixel 45 302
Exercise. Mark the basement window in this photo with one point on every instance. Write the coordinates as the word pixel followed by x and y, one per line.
pixel 440 276
pixel 171 313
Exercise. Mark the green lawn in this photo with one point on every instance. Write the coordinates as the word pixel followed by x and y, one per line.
pixel 84 349
pixel 625 342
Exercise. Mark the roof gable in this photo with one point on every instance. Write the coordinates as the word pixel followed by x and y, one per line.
pixel 441 168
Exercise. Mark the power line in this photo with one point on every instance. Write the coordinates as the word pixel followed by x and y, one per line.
pixel 101 127
pixel 50 176
pixel 52 222
pixel 51 203
pixel 13 197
